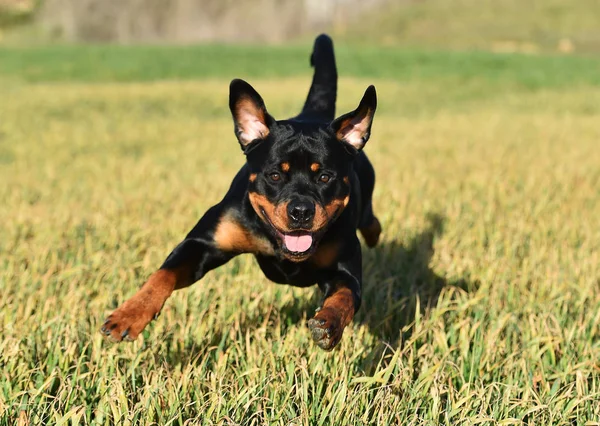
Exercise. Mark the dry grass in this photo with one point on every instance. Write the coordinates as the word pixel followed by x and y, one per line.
pixel 528 26
pixel 482 305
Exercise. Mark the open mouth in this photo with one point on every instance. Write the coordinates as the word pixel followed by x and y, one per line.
pixel 297 243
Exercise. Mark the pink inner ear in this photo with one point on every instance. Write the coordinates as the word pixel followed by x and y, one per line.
pixel 250 122
pixel 354 130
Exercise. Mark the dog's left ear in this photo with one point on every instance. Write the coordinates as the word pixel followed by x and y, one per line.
pixel 250 116
pixel 354 128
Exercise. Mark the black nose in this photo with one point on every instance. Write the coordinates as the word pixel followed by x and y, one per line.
pixel 301 212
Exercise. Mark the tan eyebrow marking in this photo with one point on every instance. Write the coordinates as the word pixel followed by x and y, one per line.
pixel 285 167
pixel 315 167
pixel 252 177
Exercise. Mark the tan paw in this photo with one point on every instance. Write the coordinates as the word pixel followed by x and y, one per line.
pixel 326 328
pixel 127 322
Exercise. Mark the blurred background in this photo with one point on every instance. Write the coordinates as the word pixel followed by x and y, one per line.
pixel 500 25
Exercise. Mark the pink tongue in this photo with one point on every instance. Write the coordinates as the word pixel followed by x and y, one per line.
pixel 298 243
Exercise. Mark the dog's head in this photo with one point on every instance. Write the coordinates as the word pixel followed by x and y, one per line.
pixel 299 172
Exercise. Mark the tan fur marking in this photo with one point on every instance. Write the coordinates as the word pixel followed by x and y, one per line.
pixel 328 324
pixel 128 321
pixel 285 167
pixel 342 302
pixel 326 254
pixel 315 167
pixel 331 211
pixel 346 180
pixel 277 215
pixel 233 237
pixel 371 233
pixel 252 177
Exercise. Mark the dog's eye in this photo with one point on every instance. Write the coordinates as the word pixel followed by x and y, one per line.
pixel 324 178
pixel 275 177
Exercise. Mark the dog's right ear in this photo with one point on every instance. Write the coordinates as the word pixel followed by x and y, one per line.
pixel 249 114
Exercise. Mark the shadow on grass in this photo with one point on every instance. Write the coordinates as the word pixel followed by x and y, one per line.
pixel 397 276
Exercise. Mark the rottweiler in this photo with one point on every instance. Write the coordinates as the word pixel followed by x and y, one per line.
pixel 296 203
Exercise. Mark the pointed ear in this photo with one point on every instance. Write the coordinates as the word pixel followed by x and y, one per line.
pixel 354 128
pixel 250 116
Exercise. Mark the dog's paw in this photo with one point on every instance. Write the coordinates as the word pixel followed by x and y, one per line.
pixel 127 322
pixel 326 329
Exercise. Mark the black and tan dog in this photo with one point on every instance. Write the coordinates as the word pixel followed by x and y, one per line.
pixel 295 205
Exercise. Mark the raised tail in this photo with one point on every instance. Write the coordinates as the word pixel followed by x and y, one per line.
pixel 320 102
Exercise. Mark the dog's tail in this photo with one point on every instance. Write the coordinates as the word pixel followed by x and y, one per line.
pixel 320 102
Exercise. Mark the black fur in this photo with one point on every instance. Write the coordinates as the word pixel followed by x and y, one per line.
pixel 280 155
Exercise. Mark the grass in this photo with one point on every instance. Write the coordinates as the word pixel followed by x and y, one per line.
pixel 65 63
pixel 500 25
pixel 481 306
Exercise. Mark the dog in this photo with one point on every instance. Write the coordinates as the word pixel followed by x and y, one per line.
pixel 305 189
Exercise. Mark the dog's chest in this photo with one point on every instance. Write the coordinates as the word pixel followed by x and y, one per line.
pixel 285 272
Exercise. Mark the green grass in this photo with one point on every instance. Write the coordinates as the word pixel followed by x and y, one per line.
pixel 72 63
pixel 481 306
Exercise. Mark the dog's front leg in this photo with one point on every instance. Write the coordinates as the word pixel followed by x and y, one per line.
pixel 342 298
pixel 191 259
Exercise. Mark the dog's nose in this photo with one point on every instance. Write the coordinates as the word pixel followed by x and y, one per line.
pixel 301 212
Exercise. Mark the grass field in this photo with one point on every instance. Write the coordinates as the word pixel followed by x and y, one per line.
pixel 481 305
pixel 500 25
